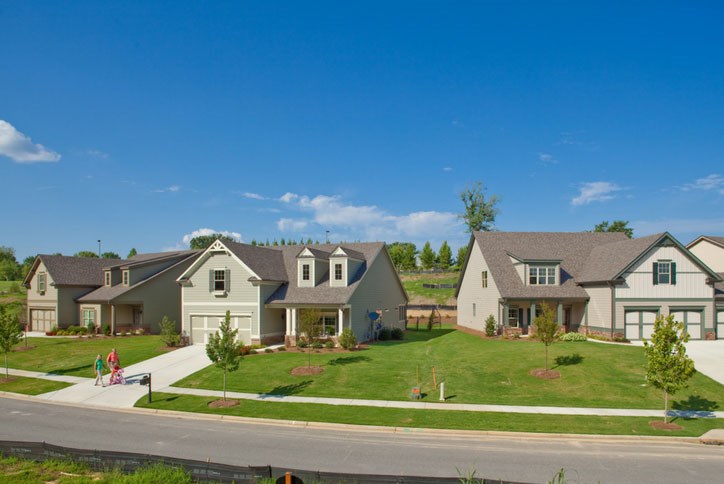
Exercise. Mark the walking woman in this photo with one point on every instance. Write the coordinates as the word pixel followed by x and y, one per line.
pixel 99 370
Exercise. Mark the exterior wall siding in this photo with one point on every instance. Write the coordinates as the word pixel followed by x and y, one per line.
pixel 271 322
pixel 68 314
pixel 379 289
pixel 471 292
pixel 138 274
pixel 46 301
pixel 710 254
pixel 599 306
pixel 345 271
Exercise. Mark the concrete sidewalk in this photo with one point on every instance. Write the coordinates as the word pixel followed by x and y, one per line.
pixel 165 369
pixel 708 357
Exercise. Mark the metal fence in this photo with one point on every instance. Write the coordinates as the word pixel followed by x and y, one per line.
pixel 102 460
pixel 439 286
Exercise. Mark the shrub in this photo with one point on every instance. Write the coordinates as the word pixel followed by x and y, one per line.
pixel 384 334
pixel 268 350
pixel 329 344
pixel 302 343
pixel 397 334
pixel 252 351
pixel 282 348
pixel 491 326
pixel 347 339
pixel 75 330
pixel 573 337
pixel 14 287
pixel 107 329
pixel 317 345
pixel 91 327
pixel 61 332
pixel 168 332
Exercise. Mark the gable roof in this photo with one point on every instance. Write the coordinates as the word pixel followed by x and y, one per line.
pixel 72 271
pixel 265 262
pixel 608 261
pixel 572 249
pixel 711 238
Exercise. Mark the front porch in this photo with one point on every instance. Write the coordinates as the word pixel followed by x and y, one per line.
pixel 517 315
pixel 333 320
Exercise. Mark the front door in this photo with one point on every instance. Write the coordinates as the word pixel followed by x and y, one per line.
pixel 137 317
pixel 567 319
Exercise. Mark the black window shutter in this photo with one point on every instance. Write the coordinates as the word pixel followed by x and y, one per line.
pixel 211 280
pixel 673 273
pixel 656 273
pixel 227 280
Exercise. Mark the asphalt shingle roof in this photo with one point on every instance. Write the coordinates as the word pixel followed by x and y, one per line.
pixel 571 248
pixel 606 261
pixel 76 271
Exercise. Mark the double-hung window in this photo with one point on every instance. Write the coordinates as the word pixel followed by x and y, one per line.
pixel 337 272
pixel 305 272
pixel 108 278
pixel 542 275
pixel 664 272
pixel 89 317
pixel 513 316
pixel 125 278
pixel 219 280
pixel 485 279
pixel 41 283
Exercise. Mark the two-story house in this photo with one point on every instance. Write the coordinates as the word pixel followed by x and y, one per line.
pixel 710 250
pixel 125 294
pixel 266 289
pixel 597 282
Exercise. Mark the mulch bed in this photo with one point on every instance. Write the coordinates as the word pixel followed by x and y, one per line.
pixel 661 425
pixel 307 370
pixel 223 403
pixel 23 348
pixel 8 379
pixel 544 374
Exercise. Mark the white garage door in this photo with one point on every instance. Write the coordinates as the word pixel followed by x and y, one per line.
pixel 42 319
pixel 203 325
pixel 693 321
pixel 720 323
pixel 639 323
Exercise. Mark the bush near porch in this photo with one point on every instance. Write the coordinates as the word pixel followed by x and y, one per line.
pixel 75 356
pixel 475 370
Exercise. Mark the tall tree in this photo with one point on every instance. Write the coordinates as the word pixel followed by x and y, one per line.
pixel 223 349
pixel 10 334
pixel 427 257
pixel 615 226
pixel 668 367
pixel 403 255
pixel 9 267
pixel 86 253
pixel 460 259
pixel 110 255
pixel 202 242
pixel 444 256
pixel 311 325
pixel 132 253
pixel 546 327
pixel 479 214
pixel 27 265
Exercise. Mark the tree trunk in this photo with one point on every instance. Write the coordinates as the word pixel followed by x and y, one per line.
pixel 224 384
pixel 546 357
pixel 7 374
pixel 666 406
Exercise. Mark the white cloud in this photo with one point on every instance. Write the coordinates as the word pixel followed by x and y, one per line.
pixel 20 148
pixel 171 189
pixel 96 153
pixel 595 192
pixel 547 159
pixel 713 182
pixel 291 225
pixel 288 197
pixel 196 233
pixel 253 196
pixel 447 168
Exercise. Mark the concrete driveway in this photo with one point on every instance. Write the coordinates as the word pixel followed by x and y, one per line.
pixel 708 357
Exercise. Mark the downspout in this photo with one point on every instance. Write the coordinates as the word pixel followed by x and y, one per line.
pixel 613 308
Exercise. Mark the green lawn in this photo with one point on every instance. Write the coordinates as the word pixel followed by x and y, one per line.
pixel 413 286
pixel 5 287
pixel 395 417
pixel 75 356
pixel 475 370
pixel 29 386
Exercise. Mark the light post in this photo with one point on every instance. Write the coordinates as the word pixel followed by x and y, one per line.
pixel 99 248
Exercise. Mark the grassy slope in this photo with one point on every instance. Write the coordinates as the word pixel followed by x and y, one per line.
pixel 394 417
pixel 420 295
pixel 29 386
pixel 475 371
pixel 74 356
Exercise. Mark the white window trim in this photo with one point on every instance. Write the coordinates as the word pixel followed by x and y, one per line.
pixel 667 264
pixel 107 278
pixel 307 266
pixel 220 292
pixel 341 271
pixel 484 277
pixel 44 278
pixel 126 278
pixel 546 278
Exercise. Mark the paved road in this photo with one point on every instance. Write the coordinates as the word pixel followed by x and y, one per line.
pixel 435 454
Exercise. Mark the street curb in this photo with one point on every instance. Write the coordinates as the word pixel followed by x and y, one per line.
pixel 470 434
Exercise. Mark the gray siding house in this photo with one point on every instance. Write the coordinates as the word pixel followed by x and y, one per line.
pixel 597 282
pixel 125 294
pixel 266 288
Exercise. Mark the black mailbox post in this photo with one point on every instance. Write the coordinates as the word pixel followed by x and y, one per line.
pixel 146 380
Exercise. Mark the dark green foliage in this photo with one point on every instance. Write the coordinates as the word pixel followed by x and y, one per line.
pixel 384 334
pixel 478 214
pixel 615 226
pixel 444 256
pixel 403 255
pixel 397 334
pixel 10 334
pixel 9 268
pixel 107 329
pixel 427 257
pixel 491 326
pixel 347 339
pixel 86 253
pixel 223 349
pixel 204 241
pixel 546 327
pixel 132 253
pixel 329 344
pixel 110 255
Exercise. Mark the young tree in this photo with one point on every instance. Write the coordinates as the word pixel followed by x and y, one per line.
pixel 491 327
pixel 169 335
pixel 546 327
pixel 427 257
pixel 311 325
pixel 27 265
pixel 615 226
pixel 479 214
pixel 668 367
pixel 10 334
pixel 444 256
pixel 202 242
pixel 132 253
pixel 223 349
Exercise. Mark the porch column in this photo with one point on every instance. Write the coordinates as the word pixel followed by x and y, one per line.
pixel 505 314
pixel 288 320
pixel 532 313
pixel 294 321
pixel 340 321
pixel 560 314
pixel 113 319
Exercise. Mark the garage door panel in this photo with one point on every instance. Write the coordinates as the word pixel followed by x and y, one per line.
pixel 720 324
pixel 204 325
pixel 42 319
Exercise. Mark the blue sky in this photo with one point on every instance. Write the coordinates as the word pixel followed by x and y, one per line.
pixel 142 123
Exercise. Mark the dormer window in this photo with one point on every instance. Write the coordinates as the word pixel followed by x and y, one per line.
pixel 337 272
pixel 305 272
pixel 108 278
pixel 125 278
pixel 541 276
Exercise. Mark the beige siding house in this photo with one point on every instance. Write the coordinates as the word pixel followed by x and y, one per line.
pixel 265 289
pixel 710 250
pixel 124 294
pixel 597 282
